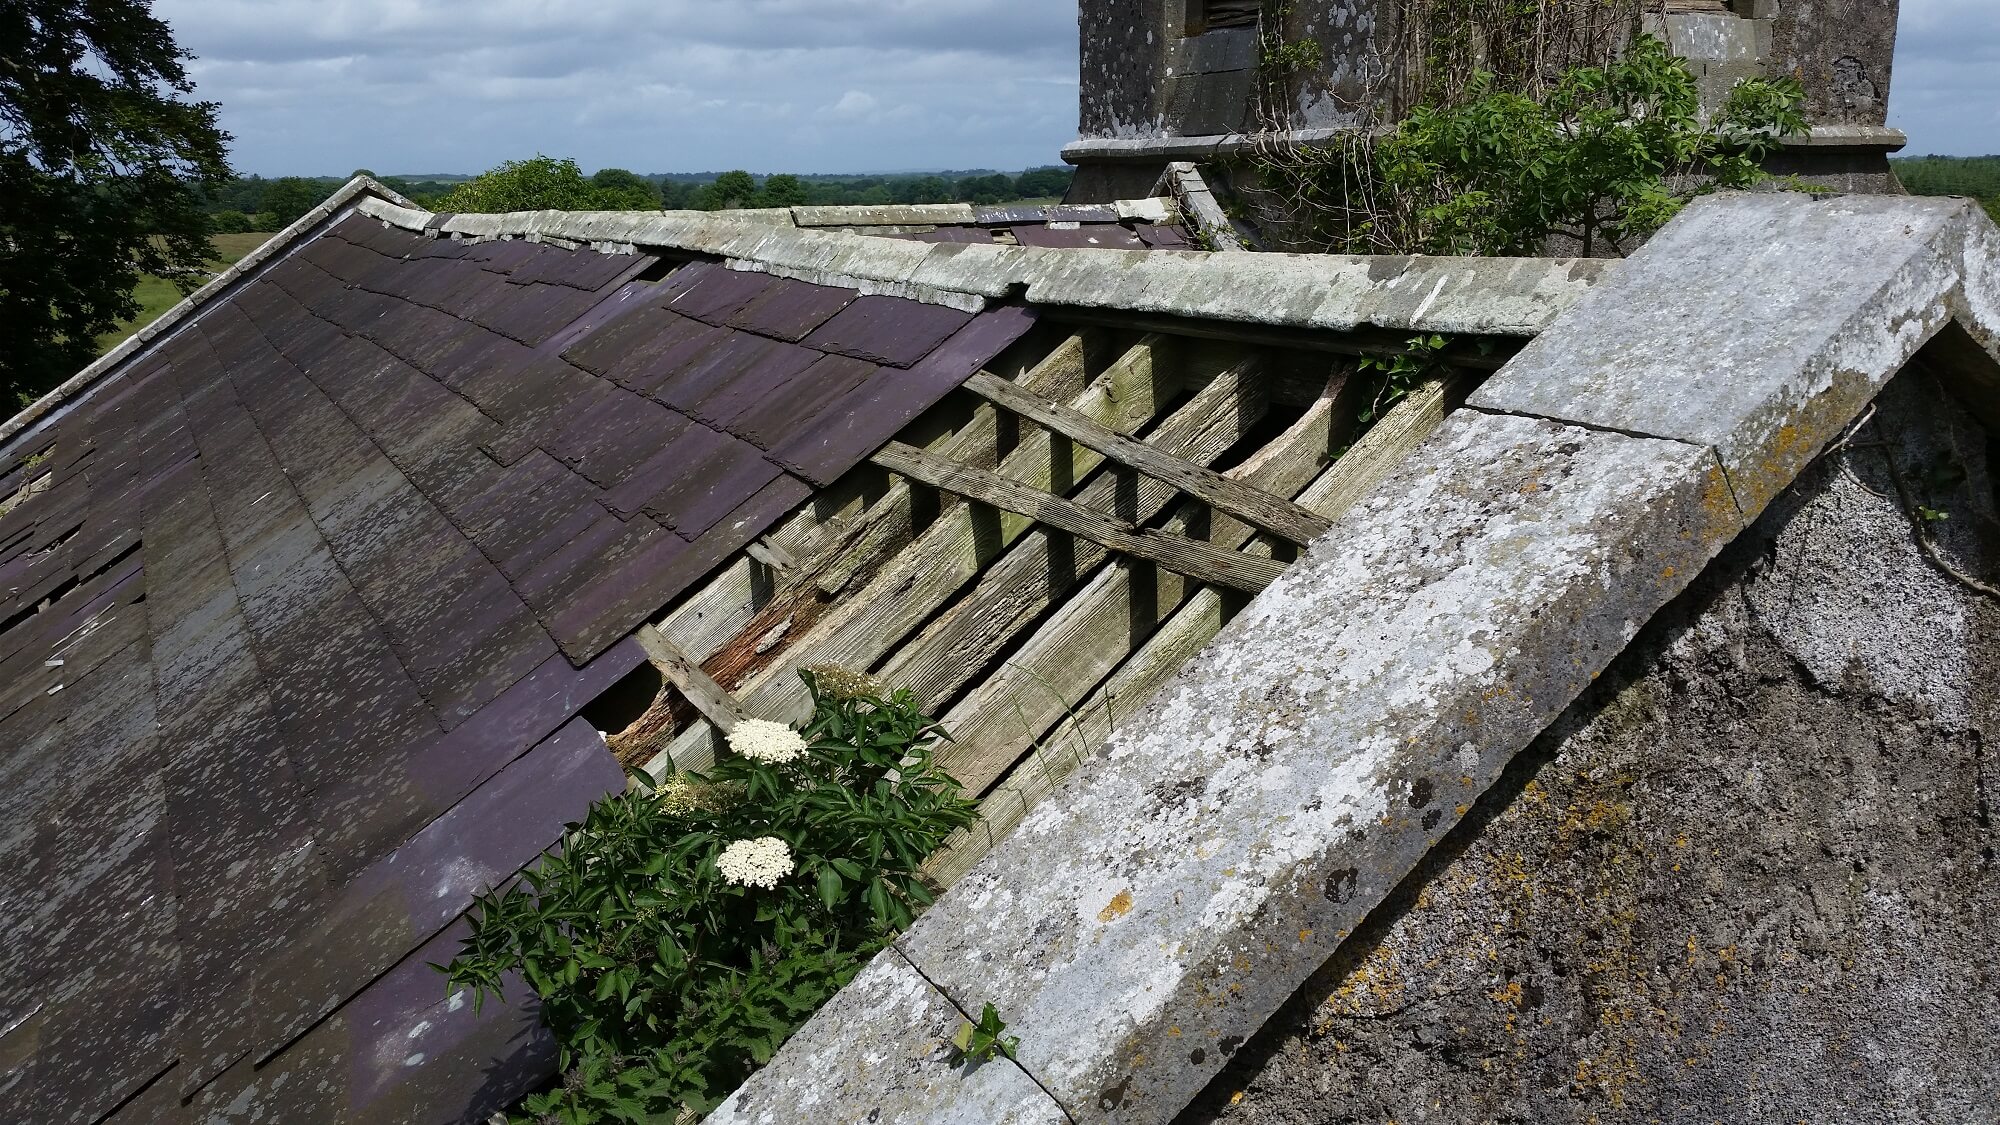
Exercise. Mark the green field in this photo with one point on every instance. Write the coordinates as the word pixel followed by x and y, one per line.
pixel 157 295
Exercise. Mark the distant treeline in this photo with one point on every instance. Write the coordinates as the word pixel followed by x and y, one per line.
pixel 253 203
pixel 1976 176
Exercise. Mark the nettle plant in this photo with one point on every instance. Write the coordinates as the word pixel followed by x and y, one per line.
pixel 681 933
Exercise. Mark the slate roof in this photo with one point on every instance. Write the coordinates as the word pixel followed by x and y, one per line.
pixel 297 623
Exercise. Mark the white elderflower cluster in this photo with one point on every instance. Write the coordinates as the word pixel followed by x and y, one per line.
pixel 762 740
pixel 755 863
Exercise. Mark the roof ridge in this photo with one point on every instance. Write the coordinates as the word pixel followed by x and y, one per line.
pixel 358 188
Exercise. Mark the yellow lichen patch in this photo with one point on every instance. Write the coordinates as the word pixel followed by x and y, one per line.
pixel 1121 904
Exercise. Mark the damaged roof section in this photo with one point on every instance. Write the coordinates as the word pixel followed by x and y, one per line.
pixel 306 596
pixel 301 606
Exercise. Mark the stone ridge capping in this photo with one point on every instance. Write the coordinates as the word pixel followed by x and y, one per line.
pixel 1759 325
pixel 1484 296
pixel 1137 929
pixel 360 187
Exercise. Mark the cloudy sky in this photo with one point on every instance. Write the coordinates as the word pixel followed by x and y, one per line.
pixel 410 86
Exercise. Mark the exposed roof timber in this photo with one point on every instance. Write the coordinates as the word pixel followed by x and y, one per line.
pixel 1272 513
pixel 1478 296
pixel 1022 700
pixel 905 594
pixel 360 187
pixel 1179 554
pixel 684 673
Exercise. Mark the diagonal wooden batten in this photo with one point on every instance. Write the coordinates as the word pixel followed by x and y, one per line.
pixel 921 577
pixel 1086 724
pixel 681 671
pixel 821 539
pixel 1244 501
pixel 1112 613
pixel 965 639
pixel 1178 554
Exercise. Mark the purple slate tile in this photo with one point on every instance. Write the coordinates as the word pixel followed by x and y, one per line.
pixel 888 330
pixel 604 349
pixel 798 403
pixel 608 442
pixel 1100 236
pixel 851 429
pixel 516 720
pixel 790 310
pixel 529 313
pixel 505 255
pixel 601 587
pixel 600 615
pixel 726 373
pixel 497 829
pixel 710 292
pixel 1163 236
pixel 629 299
pixel 404 899
pixel 700 486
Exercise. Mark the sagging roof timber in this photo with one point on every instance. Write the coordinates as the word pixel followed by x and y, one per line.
pixel 366 390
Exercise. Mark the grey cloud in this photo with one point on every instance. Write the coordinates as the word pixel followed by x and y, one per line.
pixel 658 85
pixel 1946 90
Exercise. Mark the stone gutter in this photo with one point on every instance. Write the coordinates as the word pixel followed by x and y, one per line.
pixel 1483 296
pixel 360 187
pixel 1146 920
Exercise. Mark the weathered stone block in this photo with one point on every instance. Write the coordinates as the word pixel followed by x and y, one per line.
pixel 1756 324
pixel 880 1052
pixel 1138 927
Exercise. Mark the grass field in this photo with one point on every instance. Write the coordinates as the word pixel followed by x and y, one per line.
pixel 157 295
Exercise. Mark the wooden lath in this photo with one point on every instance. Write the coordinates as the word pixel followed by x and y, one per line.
pixel 1055 691
pixel 869 623
pixel 1247 502
pixel 685 674
pixel 1031 631
pixel 1189 557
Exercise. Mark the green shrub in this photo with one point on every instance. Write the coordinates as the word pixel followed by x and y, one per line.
pixel 229 222
pixel 681 933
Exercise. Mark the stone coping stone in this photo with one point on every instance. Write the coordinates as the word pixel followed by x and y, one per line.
pixel 1481 296
pixel 1196 871
pixel 879 1053
pixel 1758 324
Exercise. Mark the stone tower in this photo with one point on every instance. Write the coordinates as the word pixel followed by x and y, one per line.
pixel 1166 80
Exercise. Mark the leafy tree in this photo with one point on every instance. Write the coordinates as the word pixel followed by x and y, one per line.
pixel 730 190
pixel 985 189
pixel 927 189
pixel 229 222
pixel 104 166
pixel 1606 157
pixel 290 197
pixel 543 183
pixel 1042 183
pixel 620 190
pixel 785 191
